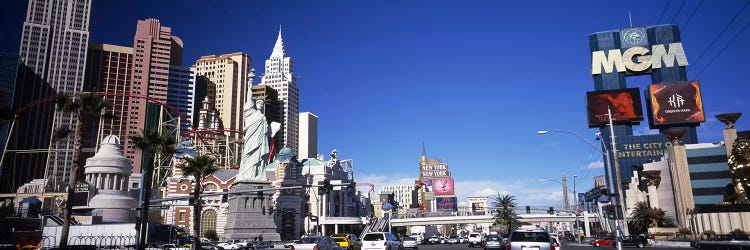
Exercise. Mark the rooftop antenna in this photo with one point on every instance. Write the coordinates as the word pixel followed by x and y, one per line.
pixel 631 19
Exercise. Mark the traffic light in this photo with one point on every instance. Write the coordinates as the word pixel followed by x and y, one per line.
pixel 611 212
pixel 528 209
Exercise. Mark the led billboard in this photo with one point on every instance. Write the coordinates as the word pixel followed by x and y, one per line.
pixel 447 203
pixel 676 103
pixel 624 103
pixel 443 186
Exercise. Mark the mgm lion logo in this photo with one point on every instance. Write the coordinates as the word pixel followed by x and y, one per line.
pixel 633 36
pixel 739 167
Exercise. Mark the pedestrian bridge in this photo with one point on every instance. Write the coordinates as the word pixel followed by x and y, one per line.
pixel 402 221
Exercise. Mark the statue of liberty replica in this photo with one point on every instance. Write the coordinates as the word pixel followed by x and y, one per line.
pixel 250 214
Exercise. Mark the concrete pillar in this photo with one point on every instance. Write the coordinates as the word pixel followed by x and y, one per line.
pixel 678 168
pixel 730 133
pixel 336 228
pixel 587 223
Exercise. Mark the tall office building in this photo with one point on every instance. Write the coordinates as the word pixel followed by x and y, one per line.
pixel 272 107
pixel 8 72
pixel 108 69
pixel 227 79
pixel 156 49
pixel 280 76
pixel 53 58
pixel 181 93
pixel 401 194
pixel 308 135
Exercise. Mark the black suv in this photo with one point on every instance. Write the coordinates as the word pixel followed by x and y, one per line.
pixel 639 241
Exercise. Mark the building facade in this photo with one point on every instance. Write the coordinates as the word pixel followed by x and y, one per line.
pixel 401 194
pixel 155 50
pixel 53 50
pixel 279 75
pixel 8 72
pixel 308 135
pixel 108 69
pixel 181 93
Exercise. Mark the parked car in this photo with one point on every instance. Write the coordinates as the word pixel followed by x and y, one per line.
pixel 475 239
pixel 260 245
pixel 452 240
pixel 347 241
pixel 434 240
pixel 380 241
pixel 316 243
pixel 638 241
pixel 290 243
pixel 410 242
pixel 208 246
pixel 232 245
pixel 606 241
pixel 529 238
pixel 492 241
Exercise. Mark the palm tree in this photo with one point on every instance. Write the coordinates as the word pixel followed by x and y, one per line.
pixel 505 207
pixel 88 107
pixel 645 217
pixel 153 144
pixel 199 168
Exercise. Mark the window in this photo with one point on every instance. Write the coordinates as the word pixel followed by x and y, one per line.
pixel 181 217
pixel 208 221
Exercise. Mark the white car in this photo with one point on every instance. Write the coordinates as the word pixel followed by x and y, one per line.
pixel 380 241
pixel 475 239
pixel 410 242
pixel 232 245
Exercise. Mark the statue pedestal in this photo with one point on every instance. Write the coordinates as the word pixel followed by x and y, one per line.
pixel 246 219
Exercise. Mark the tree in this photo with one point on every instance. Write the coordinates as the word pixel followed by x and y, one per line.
pixel 645 217
pixel 152 143
pixel 505 208
pixel 88 107
pixel 199 168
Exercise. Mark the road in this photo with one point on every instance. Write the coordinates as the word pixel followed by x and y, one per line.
pixel 565 247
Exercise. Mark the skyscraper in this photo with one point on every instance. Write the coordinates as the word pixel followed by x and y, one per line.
pixel 53 50
pixel 280 76
pixel 156 49
pixel 308 135
pixel 181 92
pixel 8 72
pixel 227 81
pixel 108 69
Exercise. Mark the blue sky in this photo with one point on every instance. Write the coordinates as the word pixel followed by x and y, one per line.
pixel 473 80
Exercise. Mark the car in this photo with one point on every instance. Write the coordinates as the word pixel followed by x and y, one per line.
pixel 606 241
pixel 492 241
pixel 347 241
pixel 410 242
pixel 230 245
pixel 434 240
pixel 475 239
pixel 260 245
pixel 316 243
pixel 380 241
pixel 556 242
pixel 290 243
pixel 208 246
pixel 638 241
pixel 452 240
pixel 531 237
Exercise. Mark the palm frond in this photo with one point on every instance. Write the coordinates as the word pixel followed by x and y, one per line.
pixel 61 133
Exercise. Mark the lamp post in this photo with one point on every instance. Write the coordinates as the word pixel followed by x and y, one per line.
pixel 617 170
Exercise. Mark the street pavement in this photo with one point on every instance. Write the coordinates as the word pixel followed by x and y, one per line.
pixel 571 246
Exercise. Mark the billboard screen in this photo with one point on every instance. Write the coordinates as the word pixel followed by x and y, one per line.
pixel 625 105
pixel 432 171
pixel 447 203
pixel 443 186
pixel 675 103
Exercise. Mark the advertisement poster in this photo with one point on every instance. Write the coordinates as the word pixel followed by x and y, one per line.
pixel 625 105
pixel 447 203
pixel 443 186
pixel 676 103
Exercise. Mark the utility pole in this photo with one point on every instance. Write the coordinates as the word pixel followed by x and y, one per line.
pixel 575 199
pixel 618 182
